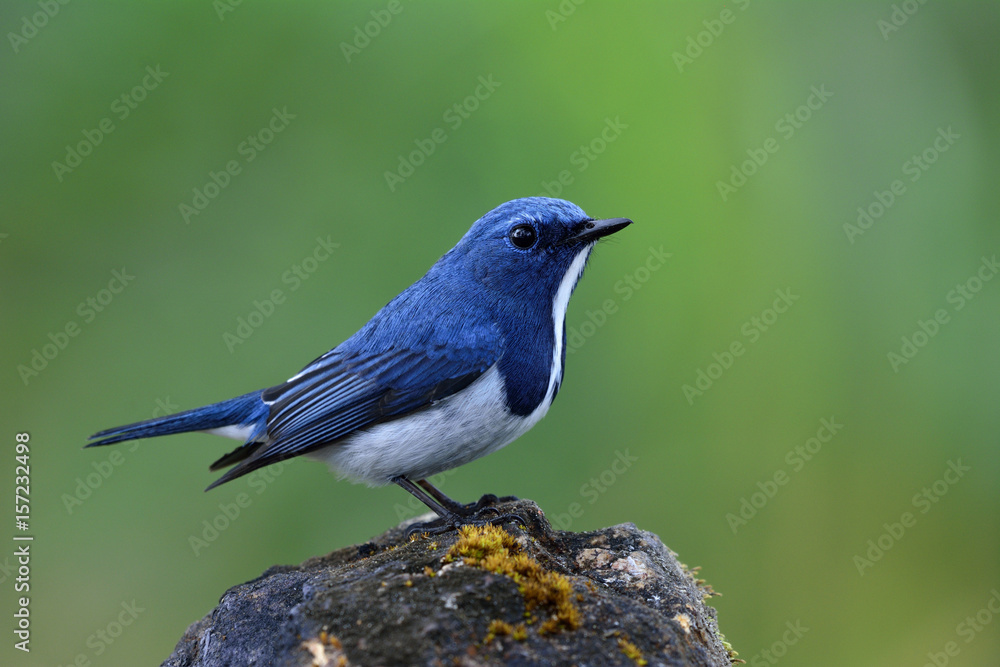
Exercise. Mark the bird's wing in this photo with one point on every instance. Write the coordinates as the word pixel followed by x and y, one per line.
pixel 351 388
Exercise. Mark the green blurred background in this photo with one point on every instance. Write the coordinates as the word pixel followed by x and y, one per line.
pixel 640 109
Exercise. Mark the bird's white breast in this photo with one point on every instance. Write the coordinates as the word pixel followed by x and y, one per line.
pixel 454 431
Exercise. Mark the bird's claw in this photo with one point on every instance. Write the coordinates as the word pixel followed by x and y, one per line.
pixel 477 517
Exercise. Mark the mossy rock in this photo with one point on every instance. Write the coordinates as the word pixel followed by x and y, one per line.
pixel 520 595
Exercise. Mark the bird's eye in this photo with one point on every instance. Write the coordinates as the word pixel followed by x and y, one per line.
pixel 523 236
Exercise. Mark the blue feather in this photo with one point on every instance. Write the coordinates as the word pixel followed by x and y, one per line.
pixel 246 410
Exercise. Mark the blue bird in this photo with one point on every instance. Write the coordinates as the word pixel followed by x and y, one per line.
pixel 460 364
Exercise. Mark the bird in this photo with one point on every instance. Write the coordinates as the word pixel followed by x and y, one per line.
pixel 458 365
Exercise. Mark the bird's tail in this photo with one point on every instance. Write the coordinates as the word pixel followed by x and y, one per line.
pixel 246 411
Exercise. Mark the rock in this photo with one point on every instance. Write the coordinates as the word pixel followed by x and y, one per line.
pixel 517 595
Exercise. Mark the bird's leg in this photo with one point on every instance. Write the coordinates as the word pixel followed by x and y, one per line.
pixel 449 519
pixel 421 495
pixel 452 505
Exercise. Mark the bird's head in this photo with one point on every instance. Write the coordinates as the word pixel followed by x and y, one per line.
pixel 531 247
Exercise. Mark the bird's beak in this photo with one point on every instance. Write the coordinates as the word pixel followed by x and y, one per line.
pixel 595 229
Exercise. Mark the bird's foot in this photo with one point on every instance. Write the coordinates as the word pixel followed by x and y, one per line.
pixel 486 502
pixel 472 509
pixel 482 513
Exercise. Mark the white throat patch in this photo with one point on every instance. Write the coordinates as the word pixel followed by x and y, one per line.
pixel 559 305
